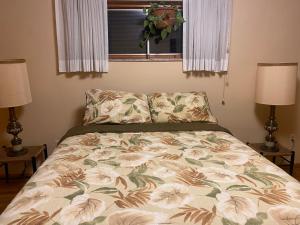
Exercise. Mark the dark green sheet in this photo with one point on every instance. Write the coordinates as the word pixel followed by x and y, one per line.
pixel 146 127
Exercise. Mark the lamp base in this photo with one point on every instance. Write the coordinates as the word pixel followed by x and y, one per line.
pixel 271 126
pixel 14 128
pixel 11 153
pixel 266 148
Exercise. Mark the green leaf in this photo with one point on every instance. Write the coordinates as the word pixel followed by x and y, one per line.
pixel 116 147
pixel 136 140
pixel 169 29
pixel 141 180
pixel 164 34
pixel 271 175
pixel 151 18
pixel 152 29
pixel 146 35
pixel 179 20
pixel 56 223
pixel 71 196
pixel 205 158
pixel 228 222
pixel 146 23
pixel 262 215
pixel 95 112
pixel 265 178
pixel 154 112
pixel 216 162
pixel 194 162
pixel 254 221
pixel 214 139
pixel 140 169
pixel 178 14
pixel 90 162
pixel 82 185
pixel 213 193
pixel 111 163
pixel 129 111
pixel 154 5
pixel 158 180
pixel 238 188
pixel 136 109
pixel 264 181
pixel 99 219
pixel 106 190
pixel 134 178
pixel 211 183
pixel 30 185
pixel 252 169
pixel 130 101
pixel 177 98
pixel 171 101
pixel 178 108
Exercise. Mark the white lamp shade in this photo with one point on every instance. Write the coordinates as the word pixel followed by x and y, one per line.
pixel 276 83
pixel 14 83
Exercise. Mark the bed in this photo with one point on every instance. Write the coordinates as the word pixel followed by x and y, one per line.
pixel 155 174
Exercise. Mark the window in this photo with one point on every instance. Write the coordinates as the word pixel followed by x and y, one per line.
pixel 125 30
pixel 125 27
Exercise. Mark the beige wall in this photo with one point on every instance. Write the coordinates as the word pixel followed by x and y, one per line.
pixel 262 31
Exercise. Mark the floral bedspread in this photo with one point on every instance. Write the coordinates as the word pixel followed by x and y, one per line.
pixel 157 178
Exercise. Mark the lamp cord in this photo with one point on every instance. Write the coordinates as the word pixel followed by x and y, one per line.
pixel 293 145
pixel 225 84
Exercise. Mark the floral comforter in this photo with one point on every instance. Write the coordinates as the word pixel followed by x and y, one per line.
pixel 157 178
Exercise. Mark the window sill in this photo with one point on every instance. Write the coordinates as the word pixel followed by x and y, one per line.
pixel 145 58
pixel 136 4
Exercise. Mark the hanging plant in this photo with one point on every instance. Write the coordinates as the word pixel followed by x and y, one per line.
pixel 162 19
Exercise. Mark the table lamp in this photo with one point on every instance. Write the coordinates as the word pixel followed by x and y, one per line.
pixel 275 86
pixel 14 92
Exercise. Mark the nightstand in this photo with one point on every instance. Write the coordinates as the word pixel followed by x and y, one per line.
pixel 31 155
pixel 283 153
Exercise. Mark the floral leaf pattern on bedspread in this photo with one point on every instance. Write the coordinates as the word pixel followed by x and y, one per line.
pixel 180 107
pixel 116 107
pixel 156 178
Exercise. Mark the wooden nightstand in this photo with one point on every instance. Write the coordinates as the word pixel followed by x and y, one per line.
pixel 31 155
pixel 282 153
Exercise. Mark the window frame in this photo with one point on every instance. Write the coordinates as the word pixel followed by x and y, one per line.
pixel 161 57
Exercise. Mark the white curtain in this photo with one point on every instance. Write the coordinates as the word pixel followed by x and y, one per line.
pixel 206 35
pixel 82 35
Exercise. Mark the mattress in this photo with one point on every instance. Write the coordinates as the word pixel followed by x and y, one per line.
pixel 199 175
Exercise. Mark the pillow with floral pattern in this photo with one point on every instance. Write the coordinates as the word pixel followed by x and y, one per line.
pixel 116 107
pixel 180 107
